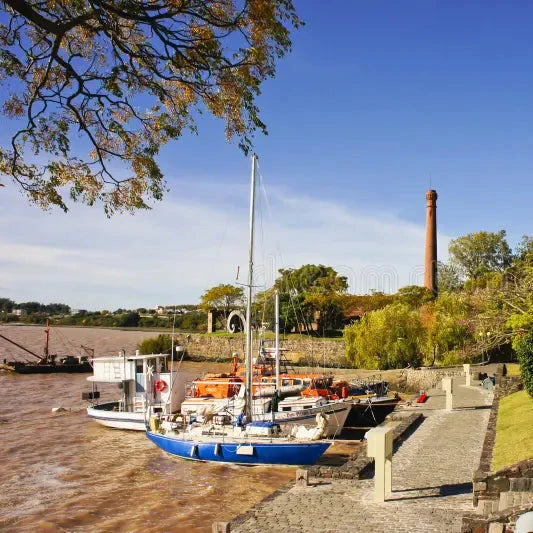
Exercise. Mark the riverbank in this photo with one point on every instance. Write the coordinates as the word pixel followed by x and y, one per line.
pixel 321 355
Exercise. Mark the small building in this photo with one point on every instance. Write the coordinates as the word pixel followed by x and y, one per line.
pixel 19 312
pixel 352 316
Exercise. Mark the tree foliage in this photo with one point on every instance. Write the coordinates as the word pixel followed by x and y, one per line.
pixel 129 320
pixel 524 352
pixel 6 305
pixel 366 302
pixel 446 325
pixel 391 337
pixel 223 298
pixel 476 254
pixel 309 294
pixel 50 309
pixel 414 296
pixel 128 77
pixel 449 277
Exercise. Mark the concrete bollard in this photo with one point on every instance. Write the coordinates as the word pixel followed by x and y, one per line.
pixel 302 477
pixel 466 368
pixel 221 527
pixel 380 448
pixel 447 386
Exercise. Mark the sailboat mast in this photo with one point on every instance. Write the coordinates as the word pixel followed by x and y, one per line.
pixel 248 360
pixel 47 343
pixel 277 339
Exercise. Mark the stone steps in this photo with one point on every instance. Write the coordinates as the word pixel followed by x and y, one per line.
pixel 513 499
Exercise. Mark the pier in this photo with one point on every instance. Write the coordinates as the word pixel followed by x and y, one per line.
pixel 431 479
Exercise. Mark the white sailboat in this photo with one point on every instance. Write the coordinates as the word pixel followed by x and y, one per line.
pixel 246 441
pixel 291 409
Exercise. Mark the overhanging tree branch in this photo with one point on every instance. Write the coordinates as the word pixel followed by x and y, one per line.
pixel 81 67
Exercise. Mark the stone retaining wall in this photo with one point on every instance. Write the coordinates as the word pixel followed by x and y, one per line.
pixel 499 522
pixel 416 379
pixel 489 488
pixel 493 491
pixel 305 350
pixel 359 465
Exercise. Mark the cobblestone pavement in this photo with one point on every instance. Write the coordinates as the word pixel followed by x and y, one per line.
pixel 432 474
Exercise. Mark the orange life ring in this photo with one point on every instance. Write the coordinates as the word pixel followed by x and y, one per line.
pixel 160 385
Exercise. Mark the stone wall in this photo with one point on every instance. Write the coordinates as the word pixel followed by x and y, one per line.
pixel 305 350
pixel 490 487
pixel 416 379
pixel 499 522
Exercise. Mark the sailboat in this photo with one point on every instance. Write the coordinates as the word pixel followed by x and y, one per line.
pixel 295 401
pixel 241 441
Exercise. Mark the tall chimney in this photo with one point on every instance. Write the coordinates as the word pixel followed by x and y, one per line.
pixel 430 274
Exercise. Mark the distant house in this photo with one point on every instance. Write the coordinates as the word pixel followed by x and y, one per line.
pixel 159 310
pixel 19 312
pixel 78 312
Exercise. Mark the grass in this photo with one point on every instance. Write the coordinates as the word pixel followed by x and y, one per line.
pixel 513 369
pixel 514 430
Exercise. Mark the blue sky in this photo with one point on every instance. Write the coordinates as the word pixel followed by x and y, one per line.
pixel 375 98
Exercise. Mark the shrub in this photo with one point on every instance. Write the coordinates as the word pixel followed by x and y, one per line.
pixel 159 344
pixel 452 358
pixel 387 338
pixel 524 352
pixel 128 320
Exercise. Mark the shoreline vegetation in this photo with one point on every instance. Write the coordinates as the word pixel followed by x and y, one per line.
pixel 168 331
pixel 483 310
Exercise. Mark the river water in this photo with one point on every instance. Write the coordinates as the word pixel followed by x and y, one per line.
pixel 63 472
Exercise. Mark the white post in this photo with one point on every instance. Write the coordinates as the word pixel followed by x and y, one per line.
pixel 221 527
pixel 124 398
pixel 277 340
pixel 447 386
pixel 379 446
pixel 466 368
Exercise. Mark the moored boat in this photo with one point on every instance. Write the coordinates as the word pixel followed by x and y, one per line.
pixel 241 441
pixel 147 386
pixel 240 446
pixel 48 363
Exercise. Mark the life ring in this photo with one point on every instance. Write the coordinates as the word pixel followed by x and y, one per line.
pixel 160 385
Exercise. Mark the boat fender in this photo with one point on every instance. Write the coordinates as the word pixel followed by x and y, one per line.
pixel 160 385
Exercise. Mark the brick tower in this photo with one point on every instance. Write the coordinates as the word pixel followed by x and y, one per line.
pixel 430 264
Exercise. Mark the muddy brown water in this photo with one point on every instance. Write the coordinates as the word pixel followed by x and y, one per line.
pixel 63 472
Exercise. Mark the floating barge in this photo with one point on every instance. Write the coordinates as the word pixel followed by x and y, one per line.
pixel 47 363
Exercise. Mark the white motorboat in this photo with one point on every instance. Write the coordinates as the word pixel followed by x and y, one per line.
pixel 147 387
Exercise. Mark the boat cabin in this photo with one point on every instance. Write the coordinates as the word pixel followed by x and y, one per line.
pixel 145 381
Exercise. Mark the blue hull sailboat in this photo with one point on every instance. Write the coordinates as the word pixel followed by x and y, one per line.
pixel 229 441
pixel 256 452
